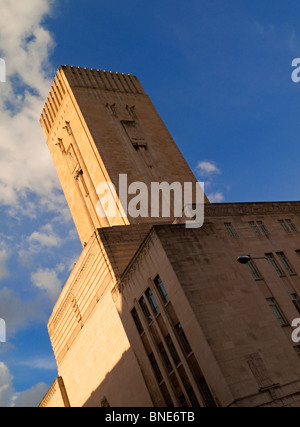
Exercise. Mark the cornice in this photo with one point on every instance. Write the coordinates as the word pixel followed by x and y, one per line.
pixel 255 208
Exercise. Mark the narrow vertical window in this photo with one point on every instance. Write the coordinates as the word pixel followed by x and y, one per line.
pixel 145 310
pixel 183 339
pixel 165 357
pixel 263 228
pixel 277 311
pixel 254 228
pixel 296 301
pixel 172 350
pixel 288 226
pixel 254 271
pixel 230 229
pixel 152 301
pixel 155 368
pixel 161 289
pixel 137 321
pixel 283 225
pixel 291 225
pixel 297 350
pixel 275 264
pixel 285 262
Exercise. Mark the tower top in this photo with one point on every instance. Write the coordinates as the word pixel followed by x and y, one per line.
pixel 100 126
pixel 88 78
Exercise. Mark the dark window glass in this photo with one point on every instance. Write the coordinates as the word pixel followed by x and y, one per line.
pixel 137 321
pixel 253 269
pixel 172 350
pixel 177 390
pixel 193 398
pixel 165 357
pixel 263 228
pixel 296 301
pixel 277 311
pixel 230 229
pixel 291 225
pixel 206 393
pixel 285 262
pixel 145 310
pixel 166 395
pixel 155 367
pixel 152 301
pixel 254 228
pixel 275 264
pixel 183 339
pixel 161 289
pixel 297 349
pixel 284 225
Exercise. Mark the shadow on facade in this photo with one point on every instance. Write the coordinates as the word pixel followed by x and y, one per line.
pixel 130 390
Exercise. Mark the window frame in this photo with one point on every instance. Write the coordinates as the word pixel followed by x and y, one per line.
pixel 273 304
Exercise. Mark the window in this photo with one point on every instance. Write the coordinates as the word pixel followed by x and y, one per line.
pixel 193 398
pixel 137 321
pixel 183 339
pixel 172 350
pixel 277 311
pixel 275 264
pixel 133 130
pixel 206 394
pixel 254 228
pixel 155 368
pixel 161 289
pixel 152 301
pixel 145 310
pixel 296 301
pixel 230 229
pixel 287 225
pixel 263 228
pixel 104 403
pixel 178 391
pixel 253 269
pixel 297 350
pixel 165 357
pixel 291 225
pixel 259 228
pixel 285 262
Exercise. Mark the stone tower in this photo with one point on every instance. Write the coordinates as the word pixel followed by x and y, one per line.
pixel 99 125
pixel 156 313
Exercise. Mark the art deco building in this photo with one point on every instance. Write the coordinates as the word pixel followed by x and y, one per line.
pixel 156 313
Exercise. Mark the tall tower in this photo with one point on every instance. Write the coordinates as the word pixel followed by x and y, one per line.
pixel 99 125
pixel 156 313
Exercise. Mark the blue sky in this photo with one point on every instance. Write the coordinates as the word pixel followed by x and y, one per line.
pixel 218 72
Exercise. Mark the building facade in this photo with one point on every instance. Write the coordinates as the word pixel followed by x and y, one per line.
pixel 156 313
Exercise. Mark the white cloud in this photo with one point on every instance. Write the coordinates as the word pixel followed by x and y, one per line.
pixel 208 171
pixel 44 363
pixel 30 398
pixel 6 387
pixel 17 313
pixel 3 266
pixel 217 197
pixel 45 237
pixel 10 398
pixel 25 163
pixel 207 168
pixel 47 280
